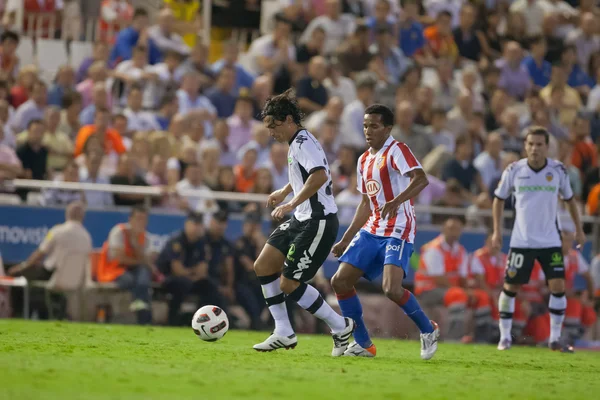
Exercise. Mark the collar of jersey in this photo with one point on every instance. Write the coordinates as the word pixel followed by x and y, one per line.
pixel 295 134
pixel 387 144
pixel 539 169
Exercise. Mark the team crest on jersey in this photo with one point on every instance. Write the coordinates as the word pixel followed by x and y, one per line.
pixel 373 187
pixel 381 162
pixel 549 176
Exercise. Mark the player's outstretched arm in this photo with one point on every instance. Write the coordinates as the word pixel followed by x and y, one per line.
pixel 311 186
pixel 360 219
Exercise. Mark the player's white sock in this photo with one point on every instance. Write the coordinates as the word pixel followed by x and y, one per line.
pixel 276 301
pixel 556 305
pixel 506 307
pixel 311 300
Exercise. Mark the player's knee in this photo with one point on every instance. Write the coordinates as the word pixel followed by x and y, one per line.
pixel 392 290
pixel 556 285
pixel 341 285
pixel 287 286
pixel 511 287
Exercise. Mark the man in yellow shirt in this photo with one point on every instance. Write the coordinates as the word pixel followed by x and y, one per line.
pixel 58 143
pixel 560 97
pixel 189 20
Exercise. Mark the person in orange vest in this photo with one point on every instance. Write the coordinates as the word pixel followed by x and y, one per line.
pixel 486 269
pixel 580 314
pixel 125 260
pixel 442 280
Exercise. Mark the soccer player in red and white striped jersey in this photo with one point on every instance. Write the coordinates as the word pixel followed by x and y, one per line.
pixel 381 235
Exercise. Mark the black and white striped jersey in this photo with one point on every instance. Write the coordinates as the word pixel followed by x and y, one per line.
pixel 306 156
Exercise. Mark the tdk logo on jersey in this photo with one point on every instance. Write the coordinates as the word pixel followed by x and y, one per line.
pixel 373 187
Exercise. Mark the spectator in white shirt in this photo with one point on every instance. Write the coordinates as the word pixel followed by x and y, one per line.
pixel 137 118
pixel 332 112
pixel 348 199
pixel 278 165
pixel 92 174
pixel 533 11
pixel 169 74
pixel 489 162
pixel 165 37
pixel 339 85
pixel 194 180
pixel 190 102
pixel 593 103
pixel 269 53
pixel 133 72
pixel 434 7
pixel 260 135
pixel 337 26
pixel 586 40
pixel 438 132
pixel 352 133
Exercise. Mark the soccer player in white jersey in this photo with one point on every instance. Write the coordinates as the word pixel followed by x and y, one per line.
pixel 300 245
pixel 535 182
pixel 381 235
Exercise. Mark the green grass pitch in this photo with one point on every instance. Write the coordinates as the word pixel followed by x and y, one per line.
pixel 53 360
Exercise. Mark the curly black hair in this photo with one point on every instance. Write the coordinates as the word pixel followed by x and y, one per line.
pixel 387 116
pixel 282 105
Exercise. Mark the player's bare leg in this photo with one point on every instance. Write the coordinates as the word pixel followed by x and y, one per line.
pixel 343 285
pixel 268 269
pixel 311 300
pixel 557 304
pixel 392 287
pixel 506 308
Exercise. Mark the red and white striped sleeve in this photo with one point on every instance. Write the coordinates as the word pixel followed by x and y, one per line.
pixel 402 159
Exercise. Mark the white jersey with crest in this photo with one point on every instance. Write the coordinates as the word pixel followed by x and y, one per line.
pixel 383 176
pixel 536 202
pixel 306 156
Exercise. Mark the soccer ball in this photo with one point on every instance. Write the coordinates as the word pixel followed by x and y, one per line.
pixel 210 323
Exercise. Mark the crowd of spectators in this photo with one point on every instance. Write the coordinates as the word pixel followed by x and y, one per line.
pixel 148 108
pixel 465 78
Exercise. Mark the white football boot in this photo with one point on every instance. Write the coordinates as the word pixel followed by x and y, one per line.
pixel 356 350
pixel 504 344
pixel 341 339
pixel 429 342
pixel 275 342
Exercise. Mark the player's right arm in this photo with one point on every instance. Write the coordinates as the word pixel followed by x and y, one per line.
pixel 502 192
pixel 363 212
pixel 278 196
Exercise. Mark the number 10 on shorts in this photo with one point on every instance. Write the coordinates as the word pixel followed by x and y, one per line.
pixel 516 260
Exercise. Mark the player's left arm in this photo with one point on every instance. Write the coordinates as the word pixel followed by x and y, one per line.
pixel 404 162
pixel 567 194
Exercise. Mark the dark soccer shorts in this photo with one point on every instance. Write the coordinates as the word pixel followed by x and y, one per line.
pixel 521 261
pixel 305 244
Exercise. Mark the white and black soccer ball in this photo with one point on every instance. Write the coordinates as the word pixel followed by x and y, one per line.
pixel 210 323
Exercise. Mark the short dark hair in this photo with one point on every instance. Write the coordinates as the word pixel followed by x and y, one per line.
pixel 71 97
pixel 537 39
pixel 538 131
pixel 282 105
pixel 167 100
pixel 34 122
pixel 138 209
pixel 9 35
pixel 463 139
pixel 387 116
pixel 101 110
pixel 140 49
pixel 444 13
pixel 140 12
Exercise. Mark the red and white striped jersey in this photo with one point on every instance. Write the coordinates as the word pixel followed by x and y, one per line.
pixel 382 176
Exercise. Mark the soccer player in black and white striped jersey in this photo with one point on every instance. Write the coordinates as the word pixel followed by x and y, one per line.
pixel 299 246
